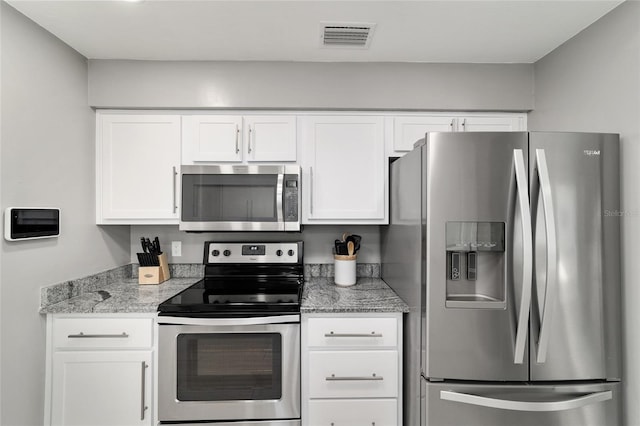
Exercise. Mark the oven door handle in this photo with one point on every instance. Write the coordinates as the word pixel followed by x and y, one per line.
pixel 276 319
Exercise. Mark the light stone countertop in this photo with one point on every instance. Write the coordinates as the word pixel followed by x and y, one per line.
pixel 118 293
pixel 122 296
pixel 369 294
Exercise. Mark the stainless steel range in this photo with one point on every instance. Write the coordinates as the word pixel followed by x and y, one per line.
pixel 229 346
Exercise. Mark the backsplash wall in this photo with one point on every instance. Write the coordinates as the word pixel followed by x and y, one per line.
pixel 318 241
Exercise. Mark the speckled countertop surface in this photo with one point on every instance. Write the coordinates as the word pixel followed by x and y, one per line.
pixel 116 292
pixel 369 294
pixel 121 296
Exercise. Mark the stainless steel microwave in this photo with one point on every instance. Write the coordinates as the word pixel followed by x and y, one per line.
pixel 240 198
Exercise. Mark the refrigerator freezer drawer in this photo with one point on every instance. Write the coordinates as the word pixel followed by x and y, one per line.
pixel 525 405
pixel 353 412
pixel 344 374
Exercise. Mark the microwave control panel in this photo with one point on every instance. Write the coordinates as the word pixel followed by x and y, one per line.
pixel 291 196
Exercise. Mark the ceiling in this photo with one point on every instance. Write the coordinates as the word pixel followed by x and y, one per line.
pixel 504 31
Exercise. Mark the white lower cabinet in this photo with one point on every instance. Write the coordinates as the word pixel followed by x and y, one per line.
pixel 99 371
pixel 101 388
pixel 352 369
pixel 354 412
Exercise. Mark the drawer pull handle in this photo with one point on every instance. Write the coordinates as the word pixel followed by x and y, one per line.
pixel 333 377
pixel 373 334
pixel 81 335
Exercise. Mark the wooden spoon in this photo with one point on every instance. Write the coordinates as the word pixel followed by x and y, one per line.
pixel 350 248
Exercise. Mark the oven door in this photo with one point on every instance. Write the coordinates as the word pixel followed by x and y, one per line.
pixel 240 198
pixel 229 369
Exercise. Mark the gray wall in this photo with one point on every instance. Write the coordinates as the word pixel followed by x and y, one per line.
pixel 47 160
pixel 181 84
pixel 318 241
pixel 592 83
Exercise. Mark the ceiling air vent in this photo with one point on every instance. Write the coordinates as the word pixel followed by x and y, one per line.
pixel 340 34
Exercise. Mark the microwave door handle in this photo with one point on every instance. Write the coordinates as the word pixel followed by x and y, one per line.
pixel 279 203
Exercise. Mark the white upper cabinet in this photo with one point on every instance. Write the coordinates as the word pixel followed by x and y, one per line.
pixel 235 138
pixel 270 138
pixel 343 169
pixel 211 138
pixel 408 129
pixel 137 165
pixel 485 123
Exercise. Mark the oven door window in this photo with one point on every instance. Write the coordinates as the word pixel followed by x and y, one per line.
pixel 227 367
pixel 229 198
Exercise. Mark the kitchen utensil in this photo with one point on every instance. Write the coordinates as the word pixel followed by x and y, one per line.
pixel 340 247
pixel 151 247
pixel 350 248
pixel 356 241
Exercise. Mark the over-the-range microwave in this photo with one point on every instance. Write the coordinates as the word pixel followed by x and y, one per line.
pixel 240 198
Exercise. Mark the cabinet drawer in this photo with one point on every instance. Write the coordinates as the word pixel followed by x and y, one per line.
pixel 344 374
pixel 350 332
pixel 102 332
pixel 353 412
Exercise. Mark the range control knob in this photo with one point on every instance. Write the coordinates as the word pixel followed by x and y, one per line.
pixel 227 253
pixel 290 253
pixel 216 252
pixel 278 252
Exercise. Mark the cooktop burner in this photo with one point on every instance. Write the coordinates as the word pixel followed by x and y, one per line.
pixel 243 280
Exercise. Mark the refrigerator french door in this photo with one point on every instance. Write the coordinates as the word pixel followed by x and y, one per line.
pixel 513 277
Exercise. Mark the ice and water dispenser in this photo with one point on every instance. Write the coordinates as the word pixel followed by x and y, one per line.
pixel 475 265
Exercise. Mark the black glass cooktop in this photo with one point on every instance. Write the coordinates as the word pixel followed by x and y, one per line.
pixel 217 296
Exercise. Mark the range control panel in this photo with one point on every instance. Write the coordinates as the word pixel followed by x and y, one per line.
pixel 218 253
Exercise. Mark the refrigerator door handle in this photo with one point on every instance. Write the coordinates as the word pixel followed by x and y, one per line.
pixel 546 316
pixel 505 404
pixel 527 255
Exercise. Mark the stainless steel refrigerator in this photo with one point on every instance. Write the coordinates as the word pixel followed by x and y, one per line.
pixel 506 246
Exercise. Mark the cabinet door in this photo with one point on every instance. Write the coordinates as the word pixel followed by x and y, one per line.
pixel 270 138
pixel 490 124
pixel 107 388
pixel 408 130
pixel 214 138
pixel 344 174
pixel 137 165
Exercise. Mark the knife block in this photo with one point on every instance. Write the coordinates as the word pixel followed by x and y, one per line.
pixel 154 274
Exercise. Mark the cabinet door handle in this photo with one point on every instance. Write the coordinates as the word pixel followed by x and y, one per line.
pixel 237 137
pixel 249 141
pixel 175 178
pixel 81 335
pixel 372 334
pixel 333 378
pixel 451 124
pixel 143 406
pixel 310 191
pixel 464 123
